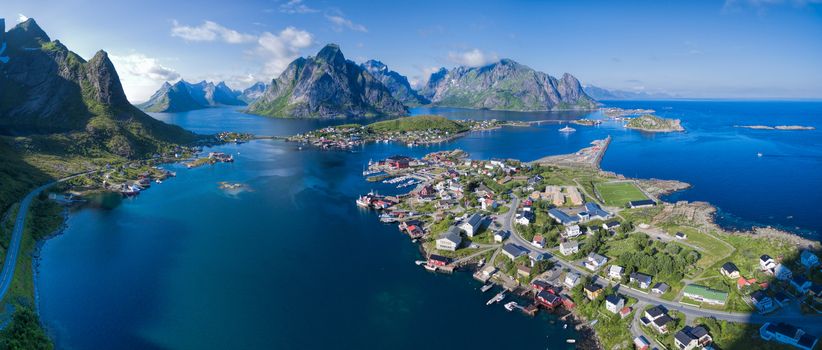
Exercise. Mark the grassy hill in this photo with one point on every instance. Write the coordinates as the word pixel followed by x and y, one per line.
pixel 418 123
pixel 650 122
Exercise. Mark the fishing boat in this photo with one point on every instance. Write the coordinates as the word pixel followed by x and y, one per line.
pixel 570 341
pixel 567 129
pixel 486 287
pixel 364 201
pixel 511 305
pixel 430 267
pixel 420 262
pixel 497 298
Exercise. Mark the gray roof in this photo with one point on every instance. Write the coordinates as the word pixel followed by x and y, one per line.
pixel 684 337
pixel 513 249
pixel 613 299
pixel 474 220
pixel 453 235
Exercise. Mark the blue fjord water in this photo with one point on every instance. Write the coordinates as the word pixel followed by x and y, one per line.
pixel 292 263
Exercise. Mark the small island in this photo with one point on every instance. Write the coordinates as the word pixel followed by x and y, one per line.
pixel 777 127
pixel 653 123
pixel 417 130
pixel 618 113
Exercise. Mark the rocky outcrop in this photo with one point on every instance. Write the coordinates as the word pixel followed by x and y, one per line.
pixel 505 85
pixel 395 82
pixel 46 89
pixel 326 86
pixel 184 96
pixel 253 92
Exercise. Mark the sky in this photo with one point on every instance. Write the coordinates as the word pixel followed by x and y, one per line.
pixel 746 49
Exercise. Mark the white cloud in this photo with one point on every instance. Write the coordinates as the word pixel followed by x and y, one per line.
pixel 418 81
pixel 296 6
pixel 21 18
pixel 471 58
pixel 281 48
pixel 339 23
pixel 141 75
pixel 210 31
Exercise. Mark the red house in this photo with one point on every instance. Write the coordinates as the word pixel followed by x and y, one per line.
pixel 549 300
pixel 437 260
pixel 398 162
pixel 540 285
pixel 427 191
pixel 567 302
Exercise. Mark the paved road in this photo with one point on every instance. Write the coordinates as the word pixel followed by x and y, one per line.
pixel 787 315
pixel 10 263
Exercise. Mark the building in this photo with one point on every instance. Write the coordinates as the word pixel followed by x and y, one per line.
pixel 624 312
pixel 610 225
pixel 645 203
pixel 705 294
pixel 472 225
pixel 561 217
pixel 595 261
pixel 573 195
pixel 729 270
pixel 513 251
pixel 500 236
pixel 660 288
pixel 571 280
pixel 398 162
pixel 685 340
pixel 787 334
pixel 450 240
pixel 540 285
pixel 656 318
pixel 808 259
pixel 523 271
pixel 525 218
pixel 615 272
pixel 572 231
pixel 766 262
pixel 548 299
pixel 640 343
pixel 568 247
pixel 642 280
pixel 595 212
pixel 782 272
pixel 437 260
pixel 592 291
pixel 538 241
pixel 762 301
pixel 800 283
pixel 614 303
pixel 487 204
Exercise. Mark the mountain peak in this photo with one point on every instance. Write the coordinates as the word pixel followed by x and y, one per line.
pixel 27 34
pixel 374 65
pixel 331 53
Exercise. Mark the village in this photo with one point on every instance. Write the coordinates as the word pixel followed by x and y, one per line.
pixel 561 235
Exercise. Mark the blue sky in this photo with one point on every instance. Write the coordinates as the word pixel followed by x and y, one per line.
pixel 702 49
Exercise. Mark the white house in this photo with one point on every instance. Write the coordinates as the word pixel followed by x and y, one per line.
pixel 500 236
pixel 809 259
pixel 766 262
pixel 614 303
pixel 615 272
pixel 568 248
pixel 450 240
pixel 571 280
pixel 572 231
pixel 538 241
pixel 782 272
pixel 595 261
pixel 488 204
pixel 472 225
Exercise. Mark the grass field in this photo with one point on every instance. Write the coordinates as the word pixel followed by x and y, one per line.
pixel 617 194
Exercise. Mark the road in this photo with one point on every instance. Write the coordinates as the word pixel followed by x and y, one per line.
pixel 788 315
pixel 9 265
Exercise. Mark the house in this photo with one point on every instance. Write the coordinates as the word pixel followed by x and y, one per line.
pixel 561 217
pixel 592 291
pixel 640 343
pixel 525 218
pixel 538 241
pixel 645 203
pixel 642 280
pixel 572 231
pixel 487 204
pixel 500 236
pixel 615 272
pixel 610 225
pixel 660 288
pixel 782 272
pixel 548 299
pixel 729 270
pixel 568 247
pixel 703 338
pixel 808 259
pixel 583 216
pixel 537 256
pixel 450 240
pixel 398 162
pixel 437 260
pixel 685 340
pixel 540 285
pixel 787 334
pixel 705 294
pixel 762 301
pixel 595 261
pixel 523 271
pixel 571 280
pixel 595 212
pixel 766 262
pixel 801 284
pixel 472 225
pixel 656 318
pixel 624 312
pixel 427 191
pixel 513 251
pixel 680 235
pixel 614 303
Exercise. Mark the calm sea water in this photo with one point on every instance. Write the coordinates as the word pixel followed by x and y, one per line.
pixel 292 263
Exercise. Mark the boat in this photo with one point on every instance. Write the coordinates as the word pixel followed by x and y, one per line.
pixel 497 298
pixel 420 262
pixel 158 181
pixel 430 267
pixel 486 287
pixel 567 129
pixel 759 154
pixel 364 201
pixel 511 305
pixel 565 326
pixel 570 341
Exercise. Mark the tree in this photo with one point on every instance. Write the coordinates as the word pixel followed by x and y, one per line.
pixel 24 332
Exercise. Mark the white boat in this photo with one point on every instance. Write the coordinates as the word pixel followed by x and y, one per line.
pixel 486 287
pixel 759 154
pixel 158 181
pixel 511 305
pixel 570 341
pixel 567 129
pixel 497 298
pixel 420 262
pixel 363 201
pixel 430 267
